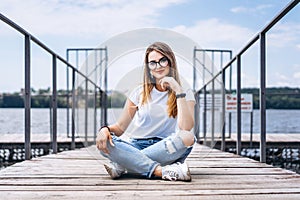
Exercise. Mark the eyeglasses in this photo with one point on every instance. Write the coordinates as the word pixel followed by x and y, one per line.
pixel 163 62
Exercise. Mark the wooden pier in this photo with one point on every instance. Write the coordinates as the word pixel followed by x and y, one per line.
pixel 79 174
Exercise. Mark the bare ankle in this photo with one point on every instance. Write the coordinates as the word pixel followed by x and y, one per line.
pixel 158 172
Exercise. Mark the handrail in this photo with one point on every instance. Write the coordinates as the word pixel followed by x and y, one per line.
pixel 262 37
pixel 279 16
pixel 39 43
pixel 27 96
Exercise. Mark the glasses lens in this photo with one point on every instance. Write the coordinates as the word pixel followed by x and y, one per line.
pixel 163 62
pixel 152 65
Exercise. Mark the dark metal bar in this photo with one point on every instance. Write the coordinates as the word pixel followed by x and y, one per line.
pixel 68 97
pixel 27 91
pixel 262 97
pixel 251 129
pixel 86 49
pixel 39 43
pixel 212 103
pixel 239 113
pixel 73 146
pixel 197 116
pixel 105 86
pixel 100 70
pixel 95 114
pixel 223 143
pixel 230 89
pixel 51 116
pixel 203 67
pixel 102 121
pixel 204 116
pixel 194 70
pixel 86 114
pixel 212 114
pixel 95 97
pixel 214 50
pixel 54 104
pixel 27 98
pixel 281 14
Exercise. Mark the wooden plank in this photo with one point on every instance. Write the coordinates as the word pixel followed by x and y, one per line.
pixel 79 174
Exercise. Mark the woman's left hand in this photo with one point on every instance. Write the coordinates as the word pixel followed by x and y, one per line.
pixel 170 82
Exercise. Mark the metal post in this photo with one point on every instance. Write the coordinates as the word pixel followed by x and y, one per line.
pixel 73 110
pixel 204 115
pixel 212 122
pixel 95 114
pixel 54 104
pixel 194 69
pixel 86 99
pixel 27 98
pixel 239 114
pixel 223 144
pixel 230 90
pixel 262 97
pixel 86 114
pixel 68 97
pixel 212 114
pixel 197 116
pixel 251 128
pixel 51 116
pixel 105 86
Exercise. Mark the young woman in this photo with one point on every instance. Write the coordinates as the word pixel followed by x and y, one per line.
pixel 162 112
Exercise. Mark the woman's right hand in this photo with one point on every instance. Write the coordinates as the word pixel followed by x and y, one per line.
pixel 101 140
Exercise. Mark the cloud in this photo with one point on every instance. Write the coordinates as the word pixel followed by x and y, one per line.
pixel 285 34
pixel 251 10
pixel 296 75
pixel 83 17
pixel 216 33
pixel 281 79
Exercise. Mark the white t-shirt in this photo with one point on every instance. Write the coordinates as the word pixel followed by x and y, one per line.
pixel 151 119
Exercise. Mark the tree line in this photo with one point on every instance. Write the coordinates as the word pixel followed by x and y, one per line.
pixel 276 98
pixel 42 98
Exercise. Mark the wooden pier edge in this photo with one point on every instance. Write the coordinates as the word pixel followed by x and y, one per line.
pixel 79 174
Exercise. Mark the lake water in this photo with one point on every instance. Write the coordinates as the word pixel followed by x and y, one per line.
pixel 12 120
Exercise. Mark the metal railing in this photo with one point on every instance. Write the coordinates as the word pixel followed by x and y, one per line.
pixel 28 39
pixel 261 37
pixel 99 62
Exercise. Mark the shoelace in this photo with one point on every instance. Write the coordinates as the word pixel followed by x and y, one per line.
pixel 171 175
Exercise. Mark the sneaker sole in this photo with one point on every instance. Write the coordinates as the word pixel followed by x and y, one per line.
pixel 189 175
pixel 109 171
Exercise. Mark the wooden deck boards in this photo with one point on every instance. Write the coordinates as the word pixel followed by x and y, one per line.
pixel 79 174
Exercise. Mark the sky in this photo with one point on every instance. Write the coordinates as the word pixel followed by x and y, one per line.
pixel 212 24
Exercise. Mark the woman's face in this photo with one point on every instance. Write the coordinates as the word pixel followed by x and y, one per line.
pixel 159 65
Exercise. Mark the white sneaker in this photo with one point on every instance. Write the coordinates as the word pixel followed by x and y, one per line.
pixel 176 171
pixel 115 170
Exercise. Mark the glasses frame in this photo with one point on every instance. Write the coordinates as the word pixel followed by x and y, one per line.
pixel 159 62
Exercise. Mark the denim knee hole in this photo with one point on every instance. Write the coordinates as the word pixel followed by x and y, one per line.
pixel 170 147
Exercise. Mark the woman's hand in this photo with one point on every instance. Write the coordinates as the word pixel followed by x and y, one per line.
pixel 101 140
pixel 171 83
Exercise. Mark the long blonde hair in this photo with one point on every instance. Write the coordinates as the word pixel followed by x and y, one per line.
pixel 149 82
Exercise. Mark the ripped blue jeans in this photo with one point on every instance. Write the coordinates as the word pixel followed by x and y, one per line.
pixel 142 156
